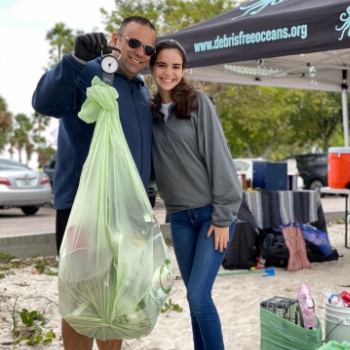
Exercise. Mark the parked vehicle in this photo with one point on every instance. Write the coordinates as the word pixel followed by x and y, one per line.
pixel 22 187
pixel 245 166
pixel 50 169
pixel 313 168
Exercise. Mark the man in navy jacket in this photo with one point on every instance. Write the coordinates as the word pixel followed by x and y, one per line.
pixel 62 91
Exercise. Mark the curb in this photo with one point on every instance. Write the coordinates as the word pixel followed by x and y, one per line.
pixel 43 244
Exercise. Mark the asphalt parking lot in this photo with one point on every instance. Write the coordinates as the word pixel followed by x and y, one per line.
pixel 27 236
pixel 14 223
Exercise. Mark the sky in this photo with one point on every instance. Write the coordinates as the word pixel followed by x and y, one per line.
pixel 24 52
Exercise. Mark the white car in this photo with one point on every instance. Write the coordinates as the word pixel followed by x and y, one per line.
pixel 245 166
pixel 22 187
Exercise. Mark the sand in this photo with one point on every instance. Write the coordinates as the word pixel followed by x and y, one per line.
pixel 237 298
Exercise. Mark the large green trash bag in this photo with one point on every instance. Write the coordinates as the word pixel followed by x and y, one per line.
pixel 334 345
pixel 277 333
pixel 114 269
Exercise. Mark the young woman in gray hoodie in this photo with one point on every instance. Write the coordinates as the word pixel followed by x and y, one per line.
pixel 197 180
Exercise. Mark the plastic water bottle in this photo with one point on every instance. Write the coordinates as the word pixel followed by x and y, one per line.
pixel 332 297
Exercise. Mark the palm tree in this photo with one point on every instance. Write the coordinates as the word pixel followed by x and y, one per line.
pixel 12 143
pixel 5 123
pixel 40 123
pixel 20 136
pixel 62 41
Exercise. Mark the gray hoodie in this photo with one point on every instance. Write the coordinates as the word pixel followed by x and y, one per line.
pixel 193 166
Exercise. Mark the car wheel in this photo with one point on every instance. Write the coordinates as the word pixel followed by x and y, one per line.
pixel 315 185
pixel 29 210
pixel 152 201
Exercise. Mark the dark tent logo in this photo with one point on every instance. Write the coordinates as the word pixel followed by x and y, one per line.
pixel 257 7
pixel 345 18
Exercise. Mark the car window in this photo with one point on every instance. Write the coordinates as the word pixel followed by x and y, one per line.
pixel 238 165
pixel 311 160
pixel 241 165
pixel 321 160
pixel 12 163
pixel 11 167
pixel 9 164
pixel 302 162
pixel 245 166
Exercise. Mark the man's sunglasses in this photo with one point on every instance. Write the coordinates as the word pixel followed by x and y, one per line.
pixel 135 44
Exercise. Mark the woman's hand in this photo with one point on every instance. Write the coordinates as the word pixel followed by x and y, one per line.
pixel 221 237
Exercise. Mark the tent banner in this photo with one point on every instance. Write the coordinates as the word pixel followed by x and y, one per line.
pixel 267 28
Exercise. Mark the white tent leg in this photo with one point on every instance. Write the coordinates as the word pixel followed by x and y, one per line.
pixel 345 117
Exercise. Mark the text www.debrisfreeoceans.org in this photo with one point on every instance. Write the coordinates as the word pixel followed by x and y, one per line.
pixel 233 40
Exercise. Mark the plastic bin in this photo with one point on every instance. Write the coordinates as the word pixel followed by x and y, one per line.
pixel 280 327
pixel 337 322
pixel 270 176
pixel 338 167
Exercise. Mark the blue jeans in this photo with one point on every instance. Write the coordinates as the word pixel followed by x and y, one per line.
pixel 199 264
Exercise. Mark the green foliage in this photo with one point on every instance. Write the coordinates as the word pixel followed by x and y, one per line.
pixel 180 14
pixel 257 121
pixel 44 150
pixel 45 154
pixel 6 257
pixel 169 306
pixel 168 16
pixel 5 123
pixel 32 334
pixel 29 330
pixel 27 135
pixel 126 8
pixel 275 122
pixel 28 318
pixel 318 117
pixel 16 264
pixel 61 41
pixel 169 241
pixel 250 129
pixel 19 137
pixel 24 133
pixel 42 264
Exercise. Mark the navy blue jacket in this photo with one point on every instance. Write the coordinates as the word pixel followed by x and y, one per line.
pixel 61 92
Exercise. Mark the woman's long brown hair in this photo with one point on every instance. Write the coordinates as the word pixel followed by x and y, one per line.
pixel 183 95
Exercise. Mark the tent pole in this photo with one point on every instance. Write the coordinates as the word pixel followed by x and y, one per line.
pixel 344 99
